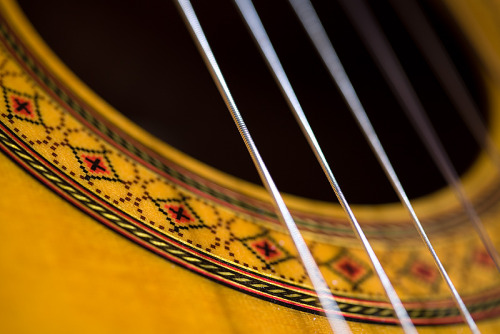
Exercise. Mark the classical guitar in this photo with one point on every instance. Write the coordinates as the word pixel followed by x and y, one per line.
pixel 107 228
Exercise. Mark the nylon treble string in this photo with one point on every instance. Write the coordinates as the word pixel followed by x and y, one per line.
pixel 387 61
pixel 259 33
pixel 433 50
pixel 314 28
pixel 335 318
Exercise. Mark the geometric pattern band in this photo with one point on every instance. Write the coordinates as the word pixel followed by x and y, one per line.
pixel 195 224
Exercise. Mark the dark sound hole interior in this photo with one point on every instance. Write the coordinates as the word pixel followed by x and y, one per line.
pixel 139 56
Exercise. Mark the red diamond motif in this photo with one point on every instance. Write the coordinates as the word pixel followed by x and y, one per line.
pixel 179 213
pixel 22 106
pixel 95 164
pixel 424 271
pixel 482 257
pixel 266 249
pixel 349 268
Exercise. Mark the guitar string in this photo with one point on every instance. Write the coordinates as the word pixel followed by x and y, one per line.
pixel 372 35
pixel 433 50
pixel 314 28
pixel 335 318
pixel 387 61
pixel 262 40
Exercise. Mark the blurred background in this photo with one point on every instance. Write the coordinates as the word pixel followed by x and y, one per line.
pixel 139 56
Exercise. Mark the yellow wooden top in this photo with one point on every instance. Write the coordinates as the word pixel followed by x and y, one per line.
pixel 107 229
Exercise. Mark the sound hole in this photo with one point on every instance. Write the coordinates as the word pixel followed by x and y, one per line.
pixel 140 58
